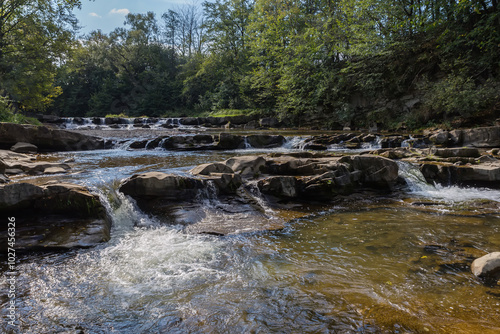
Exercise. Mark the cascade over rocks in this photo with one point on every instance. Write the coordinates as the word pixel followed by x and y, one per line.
pixel 178 199
pixel 53 216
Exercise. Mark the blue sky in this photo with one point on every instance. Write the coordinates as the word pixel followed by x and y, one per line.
pixel 110 14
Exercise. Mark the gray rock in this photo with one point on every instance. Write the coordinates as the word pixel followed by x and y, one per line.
pixel 229 141
pixel 156 184
pixel 455 152
pixel 4 179
pixel 54 170
pixel 482 137
pixel 279 186
pixel 207 169
pixel 440 138
pixel 265 141
pixel 269 122
pixel 47 139
pixel 54 216
pixel 24 148
pixel 487 267
pixel 225 183
pixel 392 141
pixel 247 166
pixel 375 170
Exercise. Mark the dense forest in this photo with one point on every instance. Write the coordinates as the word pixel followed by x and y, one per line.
pixel 397 63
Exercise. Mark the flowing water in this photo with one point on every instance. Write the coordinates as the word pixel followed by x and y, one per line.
pixel 393 265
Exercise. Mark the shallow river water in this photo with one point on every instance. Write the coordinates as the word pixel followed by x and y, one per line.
pixel 385 265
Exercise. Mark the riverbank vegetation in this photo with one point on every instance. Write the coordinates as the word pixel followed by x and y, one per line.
pixel 409 63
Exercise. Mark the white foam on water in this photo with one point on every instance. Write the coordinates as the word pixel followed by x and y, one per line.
pixel 419 186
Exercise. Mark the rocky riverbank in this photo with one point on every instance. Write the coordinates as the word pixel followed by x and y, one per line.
pixel 241 194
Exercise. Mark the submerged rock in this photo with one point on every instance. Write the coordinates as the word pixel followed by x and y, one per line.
pixel 53 216
pixel 487 267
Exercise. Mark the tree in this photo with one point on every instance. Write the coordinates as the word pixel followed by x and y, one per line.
pixel 40 34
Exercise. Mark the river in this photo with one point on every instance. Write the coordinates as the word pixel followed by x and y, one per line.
pixel 396 264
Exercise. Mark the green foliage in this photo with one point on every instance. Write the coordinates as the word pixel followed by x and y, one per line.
pixel 6 114
pixel 116 116
pixel 34 36
pixel 233 112
pixel 458 95
pixel 346 62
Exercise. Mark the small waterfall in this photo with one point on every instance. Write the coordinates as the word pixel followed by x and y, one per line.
pixel 247 144
pixel 255 195
pixel 295 143
pixel 414 177
pixel 160 144
pixel 450 194
pixel 123 145
pixel 208 195
pixel 374 145
pixel 406 142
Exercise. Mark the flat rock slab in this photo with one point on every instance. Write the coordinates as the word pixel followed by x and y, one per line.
pixel 53 216
pixel 24 148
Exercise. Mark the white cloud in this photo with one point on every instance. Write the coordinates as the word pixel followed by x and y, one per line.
pixel 123 11
pixel 95 15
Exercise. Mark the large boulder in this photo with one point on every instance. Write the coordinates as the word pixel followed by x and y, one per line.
pixel 440 138
pixel 53 216
pixel 484 174
pixel 375 170
pixel 481 137
pixel 265 141
pixel 247 166
pixel 288 165
pixel 188 143
pixel 46 139
pixel 279 186
pixel 487 267
pixel 229 141
pixel 392 141
pixel 156 184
